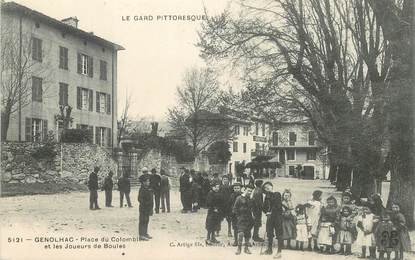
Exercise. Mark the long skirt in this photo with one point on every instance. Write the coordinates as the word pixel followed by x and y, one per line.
pixel 302 233
pixel 365 240
pixel 344 237
pixel 325 234
pixel 288 229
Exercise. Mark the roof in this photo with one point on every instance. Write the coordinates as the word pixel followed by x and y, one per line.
pixel 14 7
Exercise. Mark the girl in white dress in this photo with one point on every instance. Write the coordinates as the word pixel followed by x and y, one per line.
pixel 301 225
pixel 365 228
pixel 313 212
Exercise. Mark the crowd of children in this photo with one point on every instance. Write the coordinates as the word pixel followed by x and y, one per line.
pixel 329 227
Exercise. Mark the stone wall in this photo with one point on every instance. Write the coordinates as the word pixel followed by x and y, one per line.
pixel 72 163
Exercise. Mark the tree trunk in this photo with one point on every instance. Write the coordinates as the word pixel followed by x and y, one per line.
pixel 332 173
pixel 344 175
pixel 5 120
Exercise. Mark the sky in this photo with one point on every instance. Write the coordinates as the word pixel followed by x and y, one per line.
pixel 157 52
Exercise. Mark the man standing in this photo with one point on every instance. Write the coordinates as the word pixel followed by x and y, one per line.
pixel 164 191
pixel 155 183
pixel 272 207
pixel 145 175
pixel 107 187
pixel 186 191
pixel 145 199
pixel 226 191
pixel 257 209
pixel 243 211
pixel 124 186
pixel 93 189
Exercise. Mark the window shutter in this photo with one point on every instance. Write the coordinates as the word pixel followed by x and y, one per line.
pixel 91 100
pixel 109 135
pixel 90 67
pixel 33 89
pixel 109 104
pixel 97 94
pixel 40 50
pixel 90 134
pixel 79 63
pixel 78 98
pixel 45 129
pixel 28 129
pixel 97 135
pixel 40 89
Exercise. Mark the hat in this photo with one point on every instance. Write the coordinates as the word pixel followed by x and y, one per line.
pixel 215 182
pixel 259 182
pixel 249 186
pixel 267 183
pixel 144 178
pixel 237 183
pixel 144 169
pixel 153 170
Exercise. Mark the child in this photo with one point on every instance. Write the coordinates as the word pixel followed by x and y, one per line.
pixel 195 192
pixel 329 215
pixel 272 207
pixel 345 227
pixel 235 194
pixel 376 205
pixel 226 191
pixel 385 229
pixel 365 238
pixel 245 221
pixel 257 201
pixel 145 198
pixel 313 212
pixel 302 227
pixel 288 225
pixel 214 202
pixel 398 220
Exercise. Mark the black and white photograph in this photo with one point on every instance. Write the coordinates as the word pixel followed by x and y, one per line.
pixel 207 129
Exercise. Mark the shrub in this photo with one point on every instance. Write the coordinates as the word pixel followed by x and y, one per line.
pixel 76 136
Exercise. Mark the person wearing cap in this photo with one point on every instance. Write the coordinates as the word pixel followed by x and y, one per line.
pixel 93 189
pixel 272 207
pixel 185 190
pixel 145 199
pixel 226 191
pixel 124 187
pixel 214 203
pixel 245 221
pixel 107 187
pixel 236 187
pixel 257 201
pixel 155 185
pixel 145 174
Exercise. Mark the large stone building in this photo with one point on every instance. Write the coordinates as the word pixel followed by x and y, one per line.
pixel 298 150
pixel 62 65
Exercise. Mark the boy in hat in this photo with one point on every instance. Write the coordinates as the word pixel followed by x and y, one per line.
pixel 237 186
pixel 243 211
pixel 214 203
pixel 272 207
pixel 107 187
pixel 257 209
pixel 226 191
pixel 145 199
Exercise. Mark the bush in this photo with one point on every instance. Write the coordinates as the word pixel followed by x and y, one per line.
pixel 76 136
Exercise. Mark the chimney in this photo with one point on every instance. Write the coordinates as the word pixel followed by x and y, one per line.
pixel 72 21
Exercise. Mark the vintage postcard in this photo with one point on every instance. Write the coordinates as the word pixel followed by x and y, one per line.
pixel 207 129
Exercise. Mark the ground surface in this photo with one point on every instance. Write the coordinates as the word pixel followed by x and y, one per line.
pixel 176 235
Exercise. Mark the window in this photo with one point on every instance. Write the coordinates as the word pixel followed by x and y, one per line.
pixel 292 138
pixel 311 138
pixel 263 129
pixel 237 130
pixel 84 99
pixel 291 170
pixel 263 147
pixel 103 136
pixel 63 94
pixel 36 49
pixel 37 90
pixel 102 70
pixel 103 103
pixel 246 130
pixel 36 129
pixel 291 155
pixel 90 130
pixel 275 138
pixel 256 128
pixel 244 147
pixel 235 147
pixel 311 155
pixel 63 58
pixel 85 65
pixel 257 147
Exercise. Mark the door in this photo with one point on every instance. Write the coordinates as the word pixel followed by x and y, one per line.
pixel 308 172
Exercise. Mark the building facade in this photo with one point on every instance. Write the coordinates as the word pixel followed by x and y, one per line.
pixel 65 67
pixel 298 150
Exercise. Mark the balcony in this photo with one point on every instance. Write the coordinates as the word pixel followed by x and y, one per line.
pixel 260 138
pixel 297 144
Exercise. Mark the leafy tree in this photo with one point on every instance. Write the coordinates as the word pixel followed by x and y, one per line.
pixel 218 152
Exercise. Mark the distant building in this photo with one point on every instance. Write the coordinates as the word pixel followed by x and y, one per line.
pixel 71 67
pixel 298 149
